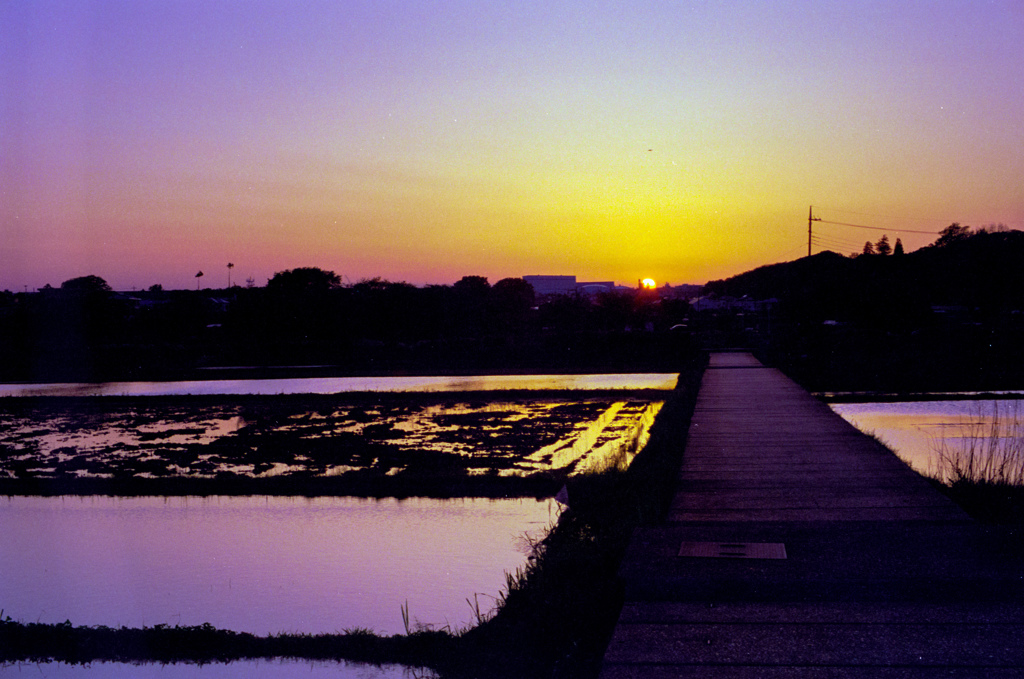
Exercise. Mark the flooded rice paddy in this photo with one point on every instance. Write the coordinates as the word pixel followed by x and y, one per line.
pixel 263 565
pixel 335 385
pixel 916 430
pixel 314 436
pixel 269 564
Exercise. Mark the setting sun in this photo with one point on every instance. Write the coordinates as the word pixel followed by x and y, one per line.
pixel 648 284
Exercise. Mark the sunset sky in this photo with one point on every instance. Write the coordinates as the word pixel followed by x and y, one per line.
pixel 423 141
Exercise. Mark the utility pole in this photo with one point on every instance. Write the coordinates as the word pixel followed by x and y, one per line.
pixel 810 220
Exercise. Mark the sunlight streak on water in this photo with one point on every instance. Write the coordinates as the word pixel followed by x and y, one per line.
pixel 564 455
pixel 621 449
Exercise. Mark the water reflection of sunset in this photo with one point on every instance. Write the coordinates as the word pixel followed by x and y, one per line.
pixel 259 564
pixel 916 429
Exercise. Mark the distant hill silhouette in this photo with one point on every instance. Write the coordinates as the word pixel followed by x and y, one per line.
pixel 946 317
pixel 983 273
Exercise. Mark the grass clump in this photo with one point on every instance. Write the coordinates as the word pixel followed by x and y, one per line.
pixel 989 448
pixel 64 642
pixel 982 468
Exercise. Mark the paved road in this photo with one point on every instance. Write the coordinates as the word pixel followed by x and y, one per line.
pixel 797 546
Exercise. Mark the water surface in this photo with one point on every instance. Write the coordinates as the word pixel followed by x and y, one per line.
pixel 260 564
pixel 914 429
pixel 334 385
pixel 239 669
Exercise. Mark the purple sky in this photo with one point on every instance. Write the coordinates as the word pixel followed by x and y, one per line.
pixel 683 141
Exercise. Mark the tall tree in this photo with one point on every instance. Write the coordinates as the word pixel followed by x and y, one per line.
pixel 898 250
pixel 882 247
pixel 869 248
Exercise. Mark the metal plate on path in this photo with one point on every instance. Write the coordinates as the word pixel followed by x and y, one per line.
pixel 733 550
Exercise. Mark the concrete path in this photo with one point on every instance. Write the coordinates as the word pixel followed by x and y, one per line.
pixel 797 546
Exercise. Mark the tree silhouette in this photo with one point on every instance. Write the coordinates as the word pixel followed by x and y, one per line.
pixel 76 322
pixel 898 250
pixel 882 247
pixel 303 280
pixel 198 276
pixel 953 233
pixel 512 300
pixel 513 294
pixel 472 285
pixel 85 285
pixel 869 248
pixel 470 297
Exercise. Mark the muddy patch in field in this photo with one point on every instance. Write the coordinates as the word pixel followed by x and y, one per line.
pixel 319 437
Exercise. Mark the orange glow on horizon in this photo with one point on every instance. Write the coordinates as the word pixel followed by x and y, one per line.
pixel 380 139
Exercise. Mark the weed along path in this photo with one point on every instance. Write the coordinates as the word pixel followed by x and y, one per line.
pixel 798 546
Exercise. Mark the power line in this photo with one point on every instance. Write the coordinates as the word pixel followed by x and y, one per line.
pixel 833 238
pixel 786 255
pixel 838 235
pixel 878 228
pixel 834 242
pixel 813 238
pixel 866 214
pixel 846 245
pixel 842 250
